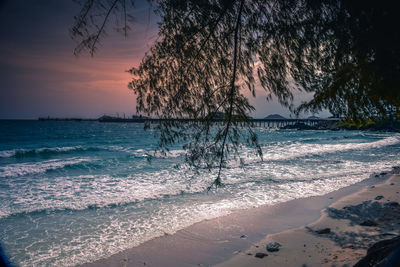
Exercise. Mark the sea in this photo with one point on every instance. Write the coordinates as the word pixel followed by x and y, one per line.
pixel 74 192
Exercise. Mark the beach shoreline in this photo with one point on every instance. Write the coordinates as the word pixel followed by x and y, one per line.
pixel 342 236
pixel 229 239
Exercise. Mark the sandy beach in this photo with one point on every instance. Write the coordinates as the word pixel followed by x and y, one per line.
pixel 342 235
pixel 351 219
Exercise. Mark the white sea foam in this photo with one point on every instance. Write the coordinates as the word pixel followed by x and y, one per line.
pixel 284 151
pixel 97 191
pixel 7 153
pixel 21 169
pixel 297 149
pixel 42 150
pixel 122 231
pixel 173 153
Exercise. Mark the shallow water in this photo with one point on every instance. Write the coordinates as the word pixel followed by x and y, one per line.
pixel 74 192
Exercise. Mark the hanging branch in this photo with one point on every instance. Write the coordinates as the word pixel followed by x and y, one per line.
pixel 217 181
pixel 91 23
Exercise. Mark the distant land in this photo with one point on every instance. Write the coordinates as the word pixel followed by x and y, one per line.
pixel 275 117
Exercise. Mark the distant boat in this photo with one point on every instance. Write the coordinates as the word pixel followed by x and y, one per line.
pixel 275 117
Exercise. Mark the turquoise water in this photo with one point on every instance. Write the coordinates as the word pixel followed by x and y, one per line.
pixel 74 192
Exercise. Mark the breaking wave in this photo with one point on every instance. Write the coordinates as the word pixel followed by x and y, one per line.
pixel 22 169
pixel 44 151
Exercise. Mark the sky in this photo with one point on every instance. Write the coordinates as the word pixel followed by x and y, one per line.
pixel 40 75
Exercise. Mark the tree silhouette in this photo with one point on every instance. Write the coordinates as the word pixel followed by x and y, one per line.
pixel 209 51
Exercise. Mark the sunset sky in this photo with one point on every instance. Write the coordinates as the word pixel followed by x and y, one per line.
pixel 40 76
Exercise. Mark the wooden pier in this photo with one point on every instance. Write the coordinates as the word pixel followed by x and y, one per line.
pixel 265 123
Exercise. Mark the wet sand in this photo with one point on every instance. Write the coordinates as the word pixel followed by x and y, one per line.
pixel 233 240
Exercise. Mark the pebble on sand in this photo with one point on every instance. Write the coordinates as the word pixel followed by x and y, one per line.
pixel 323 231
pixel 368 223
pixel 273 246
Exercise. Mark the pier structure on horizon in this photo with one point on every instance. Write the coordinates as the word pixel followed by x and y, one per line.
pixel 264 122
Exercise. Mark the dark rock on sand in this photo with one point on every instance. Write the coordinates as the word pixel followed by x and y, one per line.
pixel 260 255
pixel 383 253
pixel 391 204
pixel 323 231
pixel 368 223
pixel 273 246
pixel 378 197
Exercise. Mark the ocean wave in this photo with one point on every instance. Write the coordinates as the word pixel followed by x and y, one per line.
pixel 143 153
pixel 72 207
pixel 104 191
pixel 283 151
pixel 44 151
pixel 56 209
pixel 22 169
pixel 297 150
